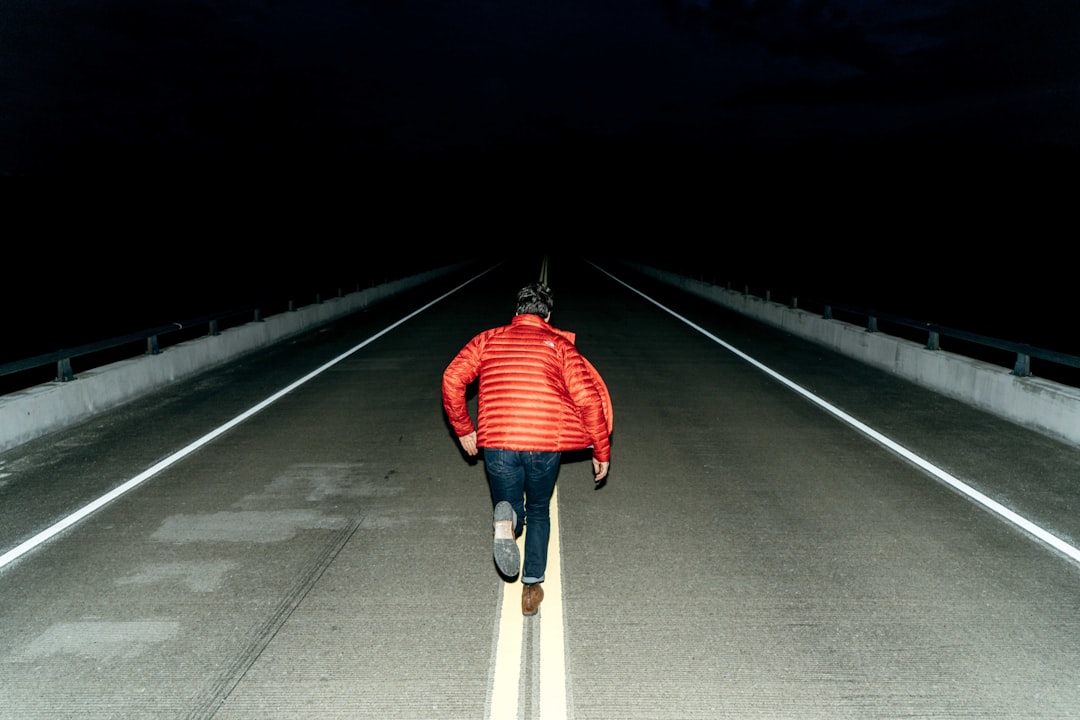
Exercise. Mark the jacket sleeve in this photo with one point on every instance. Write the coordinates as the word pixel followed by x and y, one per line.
pixel 594 375
pixel 605 396
pixel 589 393
pixel 462 370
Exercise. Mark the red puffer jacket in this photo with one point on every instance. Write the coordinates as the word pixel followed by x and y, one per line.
pixel 536 391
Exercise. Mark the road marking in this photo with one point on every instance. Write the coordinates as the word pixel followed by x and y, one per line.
pixel 505 694
pixel 948 479
pixel 61 525
pixel 507 680
pixel 552 640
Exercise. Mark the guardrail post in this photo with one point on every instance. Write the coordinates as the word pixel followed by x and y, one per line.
pixel 63 370
pixel 827 314
pixel 152 345
pixel 214 328
pixel 794 303
pixel 871 324
pixel 1023 365
pixel 933 341
pixel 258 315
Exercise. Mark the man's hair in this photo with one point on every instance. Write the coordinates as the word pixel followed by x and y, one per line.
pixel 535 299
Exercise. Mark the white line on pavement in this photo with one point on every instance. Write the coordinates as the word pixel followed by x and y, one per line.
pixel 945 477
pixel 58 527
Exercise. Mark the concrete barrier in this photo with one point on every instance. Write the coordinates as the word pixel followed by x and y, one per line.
pixel 1047 407
pixel 37 411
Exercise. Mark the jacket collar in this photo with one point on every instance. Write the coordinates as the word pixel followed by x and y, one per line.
pixel 537 321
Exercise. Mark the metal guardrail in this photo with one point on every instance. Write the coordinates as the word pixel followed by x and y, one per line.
pixel 1061 367
pixel 1023 352
pixel 152 338
pixel 934 333
pixel 100 353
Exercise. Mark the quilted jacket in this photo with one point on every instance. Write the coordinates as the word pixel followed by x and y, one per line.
pixel 536 391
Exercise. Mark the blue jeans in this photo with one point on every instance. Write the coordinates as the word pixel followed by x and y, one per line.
pixel 526 480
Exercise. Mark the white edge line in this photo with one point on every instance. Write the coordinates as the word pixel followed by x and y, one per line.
pixel 28 545
pixel 991 504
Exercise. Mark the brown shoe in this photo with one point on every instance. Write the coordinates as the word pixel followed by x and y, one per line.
pixel 531 596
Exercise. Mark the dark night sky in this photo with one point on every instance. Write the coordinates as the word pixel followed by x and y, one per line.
pixel 924 151
pixel 337 88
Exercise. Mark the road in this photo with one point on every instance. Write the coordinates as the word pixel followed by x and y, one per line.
pixel 297 535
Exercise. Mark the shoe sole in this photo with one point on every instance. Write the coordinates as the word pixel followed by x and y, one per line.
pixel 507 555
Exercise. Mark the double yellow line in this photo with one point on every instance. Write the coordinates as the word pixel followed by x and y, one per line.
pixel 505 694
pixel 505 699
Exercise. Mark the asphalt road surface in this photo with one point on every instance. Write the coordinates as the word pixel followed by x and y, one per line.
pixel 298 535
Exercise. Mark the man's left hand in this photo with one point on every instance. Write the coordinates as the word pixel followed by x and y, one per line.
pixel 468 442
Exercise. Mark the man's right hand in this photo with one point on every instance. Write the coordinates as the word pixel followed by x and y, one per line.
pixel 468 443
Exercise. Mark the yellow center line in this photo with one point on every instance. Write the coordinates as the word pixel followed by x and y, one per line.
pixel 504 693
pixel 552 642
pixel 505 696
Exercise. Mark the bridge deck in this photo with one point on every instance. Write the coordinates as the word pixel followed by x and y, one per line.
pixel 785 534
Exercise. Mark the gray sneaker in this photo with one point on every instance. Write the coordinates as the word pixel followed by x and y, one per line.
pixel 507 555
